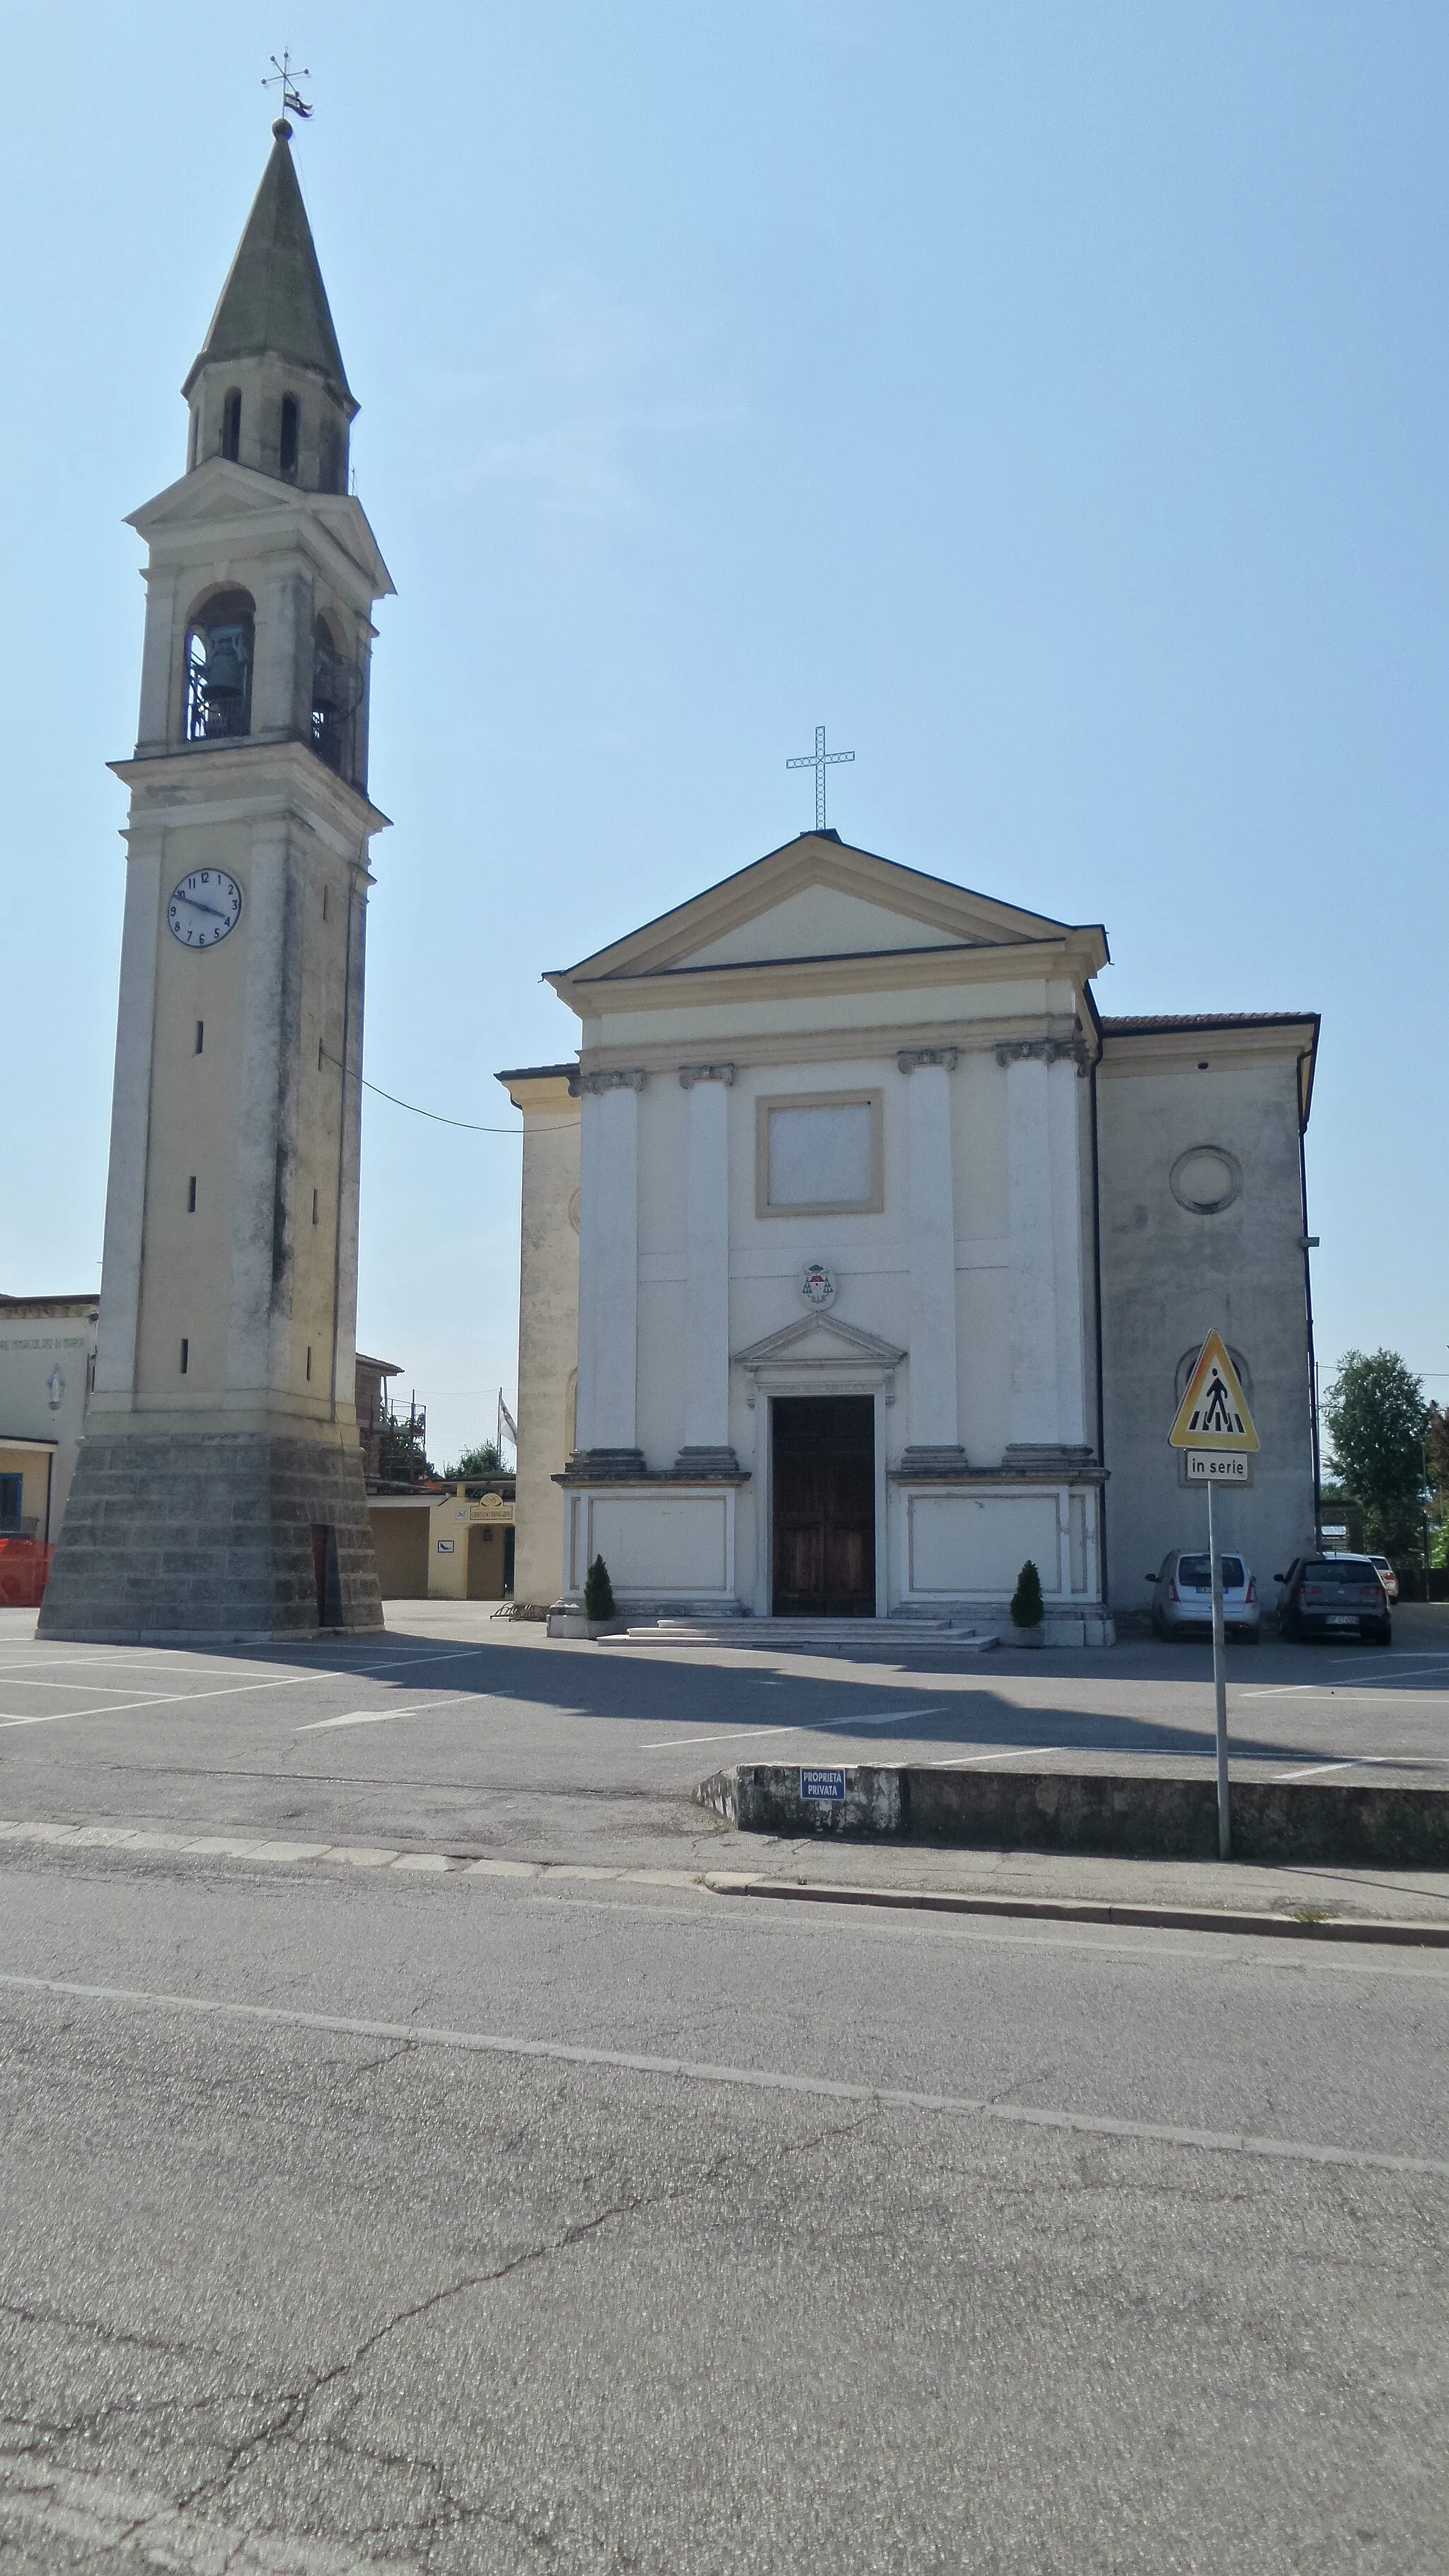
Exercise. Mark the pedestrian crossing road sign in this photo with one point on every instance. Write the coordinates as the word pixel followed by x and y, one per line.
pixel 1214 1412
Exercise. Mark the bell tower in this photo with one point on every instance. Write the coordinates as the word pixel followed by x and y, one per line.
pixel 219 1488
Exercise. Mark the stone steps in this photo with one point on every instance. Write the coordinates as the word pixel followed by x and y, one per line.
pixel 811 1636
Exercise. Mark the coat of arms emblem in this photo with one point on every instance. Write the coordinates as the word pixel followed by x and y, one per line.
pixel 818 1285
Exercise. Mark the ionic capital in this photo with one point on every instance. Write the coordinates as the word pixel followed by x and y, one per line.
pixel 690 1074
pixel 912 1059
pixel 633 1080
pixel 1045 1051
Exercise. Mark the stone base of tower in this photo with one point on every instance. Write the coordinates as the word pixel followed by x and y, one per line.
pixel 183 1537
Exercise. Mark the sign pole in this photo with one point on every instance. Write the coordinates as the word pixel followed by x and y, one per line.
pixel 1220 1687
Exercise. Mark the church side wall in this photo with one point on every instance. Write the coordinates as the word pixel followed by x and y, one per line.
pixel 1169 1275
pixel 548 1336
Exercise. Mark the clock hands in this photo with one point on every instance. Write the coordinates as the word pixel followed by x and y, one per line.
pixel 198 906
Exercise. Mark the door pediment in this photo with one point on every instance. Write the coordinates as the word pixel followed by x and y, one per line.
pixel 819 1342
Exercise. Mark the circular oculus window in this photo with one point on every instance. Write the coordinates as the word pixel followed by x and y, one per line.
pixel 1206 1179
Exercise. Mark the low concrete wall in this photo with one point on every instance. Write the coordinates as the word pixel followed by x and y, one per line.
pixel 1094 1811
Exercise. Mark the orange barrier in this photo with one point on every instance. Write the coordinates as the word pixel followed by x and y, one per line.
pixel 24 1572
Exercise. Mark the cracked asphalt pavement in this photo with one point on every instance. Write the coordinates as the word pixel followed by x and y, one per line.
pixel 341 2275
pixel 358 2220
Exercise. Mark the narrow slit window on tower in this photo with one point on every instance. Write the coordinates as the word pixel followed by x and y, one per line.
pixel 185 1357
pixel 231 425
pixel 309 1360
pixel 291 427
pixel 319 1055
pixel 200 1035
pixel 191 1196
pixel 324 903
pixel 314 1207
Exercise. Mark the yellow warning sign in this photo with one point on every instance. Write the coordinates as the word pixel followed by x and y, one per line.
pixel 1214 1412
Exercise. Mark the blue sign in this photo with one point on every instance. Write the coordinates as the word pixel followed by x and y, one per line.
pixel 824 1785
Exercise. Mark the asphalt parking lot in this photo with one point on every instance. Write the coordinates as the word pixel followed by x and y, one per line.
pixel 464 1733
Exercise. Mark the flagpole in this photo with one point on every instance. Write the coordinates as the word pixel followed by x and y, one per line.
pixel 1220 1683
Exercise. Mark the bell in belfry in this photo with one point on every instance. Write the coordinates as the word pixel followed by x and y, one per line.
pixel 226 663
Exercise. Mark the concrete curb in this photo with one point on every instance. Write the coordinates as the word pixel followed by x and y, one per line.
pixel 1134 1815
pixel 1071 1909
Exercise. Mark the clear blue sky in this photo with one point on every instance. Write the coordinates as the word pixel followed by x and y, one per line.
pixel 1049 399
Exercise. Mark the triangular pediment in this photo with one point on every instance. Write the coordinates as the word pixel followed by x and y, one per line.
pixel 817 897
pixel 821 1338
pixel 220 494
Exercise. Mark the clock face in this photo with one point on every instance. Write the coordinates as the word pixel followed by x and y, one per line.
pixel 204 907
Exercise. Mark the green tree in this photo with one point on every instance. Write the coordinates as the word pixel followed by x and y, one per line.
pixel 1436 1442
pixel 1376 1417
pixel 481 1460
pixel 1027 1609
pixel 598 1591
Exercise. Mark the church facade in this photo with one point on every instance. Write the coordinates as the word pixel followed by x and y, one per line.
pixel 864 1260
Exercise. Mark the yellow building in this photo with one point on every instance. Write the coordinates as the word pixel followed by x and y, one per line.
pixel 442 1547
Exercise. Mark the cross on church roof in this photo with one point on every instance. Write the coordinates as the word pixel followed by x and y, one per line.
pixel 281 74
pixel 819 760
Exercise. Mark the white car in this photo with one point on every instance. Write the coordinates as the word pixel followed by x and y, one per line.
pixel 1182 1595
pixel 1386 1575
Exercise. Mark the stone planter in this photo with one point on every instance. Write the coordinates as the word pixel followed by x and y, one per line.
pixel 567 1619
pixel 1013 1636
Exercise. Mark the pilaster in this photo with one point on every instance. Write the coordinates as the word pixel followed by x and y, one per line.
pixel 609 1273
pixel 120 1312
pixel 932 1416
pixel 707 1447
pixel 1044 1217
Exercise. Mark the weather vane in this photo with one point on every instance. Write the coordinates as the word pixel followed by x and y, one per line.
pixel 819 760
pixel 281 73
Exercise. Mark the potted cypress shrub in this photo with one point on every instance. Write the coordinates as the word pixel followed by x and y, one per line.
pixel 601 1617
pixel 1028 1613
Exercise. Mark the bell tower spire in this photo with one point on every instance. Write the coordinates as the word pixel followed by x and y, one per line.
pixel 268 387
pixel 219 1488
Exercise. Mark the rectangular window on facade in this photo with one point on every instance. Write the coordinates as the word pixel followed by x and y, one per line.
pixel 185 1357
pixel 200 1035
pixel 191 1196
pixel 819 1154
pixel 12 1496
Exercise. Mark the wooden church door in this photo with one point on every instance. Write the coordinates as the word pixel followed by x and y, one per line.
pixel 823 1458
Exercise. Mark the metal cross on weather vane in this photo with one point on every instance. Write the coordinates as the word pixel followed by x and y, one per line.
pixel 819 760
pixel 281 73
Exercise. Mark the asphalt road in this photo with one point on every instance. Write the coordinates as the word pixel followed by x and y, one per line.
pixel 481 2223
pixel 370 2203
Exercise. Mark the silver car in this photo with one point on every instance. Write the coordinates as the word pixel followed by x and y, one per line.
pixel 1182 1596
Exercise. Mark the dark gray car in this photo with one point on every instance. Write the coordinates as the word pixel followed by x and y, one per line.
pixel 1334 1596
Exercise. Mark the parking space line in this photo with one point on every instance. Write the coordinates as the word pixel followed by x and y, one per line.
pixel 1313 1770
pixel 230 1690
pixel 998 1753
pixel 874 1722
